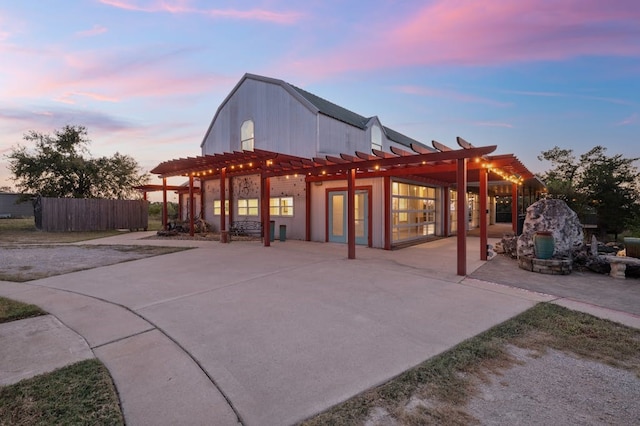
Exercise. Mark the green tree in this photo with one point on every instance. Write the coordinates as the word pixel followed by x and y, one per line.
pixel 60 165
pixel 608 186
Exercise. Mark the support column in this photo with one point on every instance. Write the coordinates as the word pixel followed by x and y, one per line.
pixel 446 210
pixel 461 214
pixel 191 206
pixel 484 195
pixel 231 199
pixel 351 214
pixel 387 213
pixel 180 207
pixel 266 213
pixel 224 236
pixel 514 207
pixel 307 213
pixel 164 203
pixel 202 198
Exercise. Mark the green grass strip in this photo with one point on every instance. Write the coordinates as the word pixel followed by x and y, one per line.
pixel 82 393
pixel 11 310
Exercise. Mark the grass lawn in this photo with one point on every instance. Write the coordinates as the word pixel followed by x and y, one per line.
pixel 10 310
pixel 447 380
pixel 82 393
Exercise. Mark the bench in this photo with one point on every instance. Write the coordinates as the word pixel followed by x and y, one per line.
pixel 246 228
pixel 619 265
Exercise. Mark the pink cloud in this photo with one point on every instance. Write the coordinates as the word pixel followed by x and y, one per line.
pixel 632 119
pixel 96 30
pixel 182 7
pixel 493 124
pixel 107 76
pixel 489 32
pixel 440 93
pixel 574 95
pixel 530 93
pixel 69 98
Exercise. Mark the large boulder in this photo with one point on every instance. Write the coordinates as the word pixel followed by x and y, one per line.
pixel 556 217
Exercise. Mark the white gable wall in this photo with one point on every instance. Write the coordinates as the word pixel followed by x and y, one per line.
pixel 281 122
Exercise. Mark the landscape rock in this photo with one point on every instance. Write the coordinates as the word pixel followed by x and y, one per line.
pixel 554 216
pixel 509 245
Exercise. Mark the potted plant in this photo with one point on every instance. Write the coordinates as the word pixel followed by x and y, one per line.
pixel 543 244
pixel 632 246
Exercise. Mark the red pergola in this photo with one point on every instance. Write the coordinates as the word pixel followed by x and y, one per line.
pixel 441 166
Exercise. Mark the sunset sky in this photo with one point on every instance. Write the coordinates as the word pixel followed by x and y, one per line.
pixel 146 77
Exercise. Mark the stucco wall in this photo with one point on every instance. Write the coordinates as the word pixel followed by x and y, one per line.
pixel 319 213
pixel 245 187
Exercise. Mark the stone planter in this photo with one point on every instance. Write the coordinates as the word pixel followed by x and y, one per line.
pixel 632 247
pixel 543 244
pixel 546 266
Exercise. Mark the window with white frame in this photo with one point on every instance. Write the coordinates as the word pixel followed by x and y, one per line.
pixel 248 207
pixel 281 206
pixel 216 207
pixel 247 136
pixel 376 137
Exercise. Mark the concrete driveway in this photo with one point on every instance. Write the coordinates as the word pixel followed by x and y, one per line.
pixel 233 333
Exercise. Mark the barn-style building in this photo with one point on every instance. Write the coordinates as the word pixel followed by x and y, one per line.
pixel 277 153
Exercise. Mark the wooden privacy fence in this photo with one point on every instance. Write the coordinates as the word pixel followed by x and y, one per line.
pixel 93 214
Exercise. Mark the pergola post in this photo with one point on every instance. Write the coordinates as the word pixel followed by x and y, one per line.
pixel 224 237
pixel 484 195
pixel 307 213
pixel 230 198
pixel 461 214
pixel 446 210
pixel 191 206
pixel 351 213
pixel 164 203
pixel 266 213
pixel 387 213
pixel 202 198
pixel 514 208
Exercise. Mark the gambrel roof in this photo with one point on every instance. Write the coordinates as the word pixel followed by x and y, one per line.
pixel 334 111
pixel 321 106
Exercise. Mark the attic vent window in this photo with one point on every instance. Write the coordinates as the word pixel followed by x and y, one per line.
pixel 246 136
pixel 376 137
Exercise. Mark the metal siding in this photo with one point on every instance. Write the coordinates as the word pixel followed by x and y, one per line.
pixel 281 122
pixel 337 137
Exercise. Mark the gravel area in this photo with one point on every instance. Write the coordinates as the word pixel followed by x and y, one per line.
pixel 557 388
pixel 554 388
pixel 24 263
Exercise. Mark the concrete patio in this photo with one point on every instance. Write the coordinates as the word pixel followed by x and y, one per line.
pixel 233 333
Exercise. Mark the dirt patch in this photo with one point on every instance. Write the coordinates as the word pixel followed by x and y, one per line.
pixel 557 388
pixel 26 263
pixel 549 388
